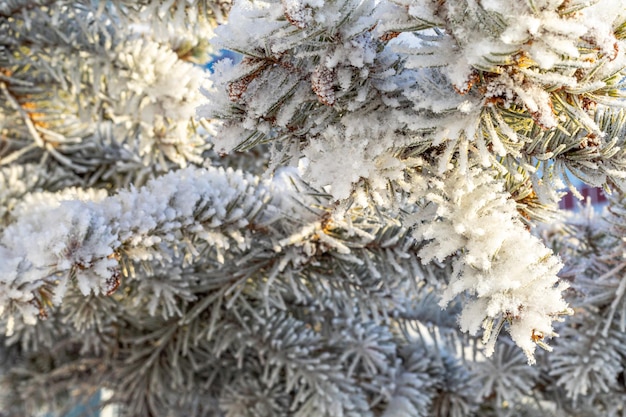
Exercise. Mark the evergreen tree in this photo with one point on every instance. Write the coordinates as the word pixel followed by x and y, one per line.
pixel 358 218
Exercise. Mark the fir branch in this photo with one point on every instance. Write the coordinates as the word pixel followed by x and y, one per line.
pixel 91 238
pixel 529 299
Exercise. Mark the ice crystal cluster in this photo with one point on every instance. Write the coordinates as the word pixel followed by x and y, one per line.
pixel 357 217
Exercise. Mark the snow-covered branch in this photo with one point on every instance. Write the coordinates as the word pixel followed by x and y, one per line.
pixel 509 275
pixel 53 245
